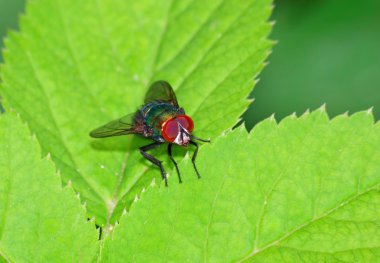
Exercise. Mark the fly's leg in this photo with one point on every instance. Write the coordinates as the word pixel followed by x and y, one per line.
pixel 143 151
pixel 175 163
pixel 198 139
pixel 194 157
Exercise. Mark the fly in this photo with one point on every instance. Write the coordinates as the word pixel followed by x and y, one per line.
pixel 160 119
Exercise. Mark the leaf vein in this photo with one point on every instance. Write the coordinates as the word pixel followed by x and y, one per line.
pixel 306 224
pixel 193 37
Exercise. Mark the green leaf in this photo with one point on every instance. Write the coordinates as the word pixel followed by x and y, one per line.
pixel 306 189
pixel 78 64
pixel 39 221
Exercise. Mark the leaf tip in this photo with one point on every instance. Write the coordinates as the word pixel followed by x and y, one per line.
pixel 242 127
pixel 306 113
pixel 370 111
pixel 322 108
pixel 272 118
pixel 274 43
pixel 251 100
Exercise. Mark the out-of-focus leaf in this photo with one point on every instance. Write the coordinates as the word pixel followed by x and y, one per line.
pixel 327 52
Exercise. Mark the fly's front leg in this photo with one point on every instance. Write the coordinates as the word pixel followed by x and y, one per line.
pixel 143 151
pixel 194 157
pixel 175 163
pixel 198 139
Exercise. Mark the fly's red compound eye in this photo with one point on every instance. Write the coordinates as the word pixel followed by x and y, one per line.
pixel 170 130
pixel 186 122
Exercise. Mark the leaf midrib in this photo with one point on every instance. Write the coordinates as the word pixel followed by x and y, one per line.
pixel 193 69
pixel 116 193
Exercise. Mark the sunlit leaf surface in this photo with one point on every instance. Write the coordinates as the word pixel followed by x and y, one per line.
pixel 39 221
pixel 78 64
pixel 306 189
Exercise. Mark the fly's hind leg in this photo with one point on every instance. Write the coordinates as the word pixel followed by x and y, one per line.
pixel 143 151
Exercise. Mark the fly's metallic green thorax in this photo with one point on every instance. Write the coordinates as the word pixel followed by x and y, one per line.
pixel 156 113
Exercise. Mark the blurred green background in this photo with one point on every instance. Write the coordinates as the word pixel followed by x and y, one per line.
pixel 9 14
pixel 328 52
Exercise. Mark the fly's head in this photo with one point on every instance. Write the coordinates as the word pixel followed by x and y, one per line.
pixel 178 130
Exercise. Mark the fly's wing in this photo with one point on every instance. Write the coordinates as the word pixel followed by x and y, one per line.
pixel 161 91
pixel 129 124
